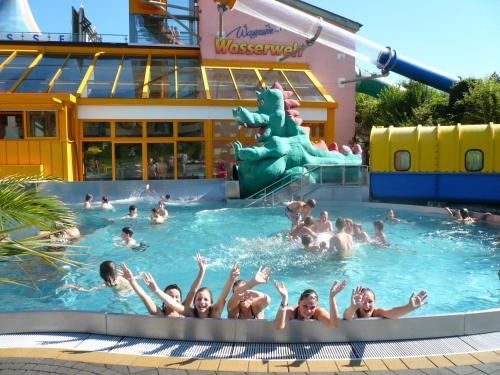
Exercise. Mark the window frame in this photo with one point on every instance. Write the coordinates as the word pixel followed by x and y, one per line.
pixel 482 160
pixel 409 161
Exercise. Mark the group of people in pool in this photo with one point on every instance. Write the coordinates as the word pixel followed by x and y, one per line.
pixel 246 302
pixel 320 234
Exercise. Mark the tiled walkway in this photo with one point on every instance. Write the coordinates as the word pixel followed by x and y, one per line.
pixel 76 353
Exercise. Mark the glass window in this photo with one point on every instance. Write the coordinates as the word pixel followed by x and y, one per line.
pixel 160 161
pixel 223 155
pixel 102 78
pixel 72 74
pixel 189 79
pixel 131 80
pixel 13 70
pixel 4 56
pixel 474 160
pixel 97 161
pixel 128 161
pixel 42 124
pixel 162 81
pixel 190 129
pixel 304 87
pixel 221 84
pixel 315 130
pixel 226 129
pixel 402 160
pixel 128 129
pixel 190 160
pixel 247 82
pixel 271 76
pixel 160 129
pixel 40 76
pixel 11 125
pixel 96 129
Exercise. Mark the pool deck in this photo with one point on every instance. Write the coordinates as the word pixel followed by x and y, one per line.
pixel 69 353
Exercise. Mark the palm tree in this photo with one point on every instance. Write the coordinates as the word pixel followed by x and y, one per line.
pixel 23 207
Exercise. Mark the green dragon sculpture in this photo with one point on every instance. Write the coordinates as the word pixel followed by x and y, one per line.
pixel 285 148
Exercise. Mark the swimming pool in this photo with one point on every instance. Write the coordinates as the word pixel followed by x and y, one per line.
pixel 456 264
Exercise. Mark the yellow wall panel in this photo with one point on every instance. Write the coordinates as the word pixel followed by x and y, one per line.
pixel 67 150
pixel 23 152
pixel 379 150
pixel 34 148
pixel 57 159
pixel 3 155
pixel 46 157
pixel 448 140
pixel 11 152
pixel 475 138
pixel 427 149
pixel 495 136
pixel 25 170
pixel 404 139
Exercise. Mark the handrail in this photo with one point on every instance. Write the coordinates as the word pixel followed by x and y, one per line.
pixel 264 194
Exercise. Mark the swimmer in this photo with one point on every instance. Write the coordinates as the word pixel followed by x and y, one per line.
pixel 309 244
pixel 308 306
pixel 303 228
pixel 128 241
pixel 348 226
pixel 172 290
pixel 296 210
pixel 155 217
pixel 391 217
pixel 341 241
pixel 112 278
pixel 105 203
pixel 358 234
pixel 203 301
pixel 323 224
pixel 164 200
pixel 132 212
pixel 88 201
pixel 380 238
pixel 160 209
pixel 246 303
pixel 461 216
pixel 363 305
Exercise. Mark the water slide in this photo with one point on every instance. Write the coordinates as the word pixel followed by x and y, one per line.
pixel 315 30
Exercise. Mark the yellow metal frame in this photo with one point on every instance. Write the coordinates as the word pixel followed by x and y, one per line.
pixel 57 74
pixel 147 78
pixel 87 75
pixel 8 59
pixel 117 77
pixel 28 70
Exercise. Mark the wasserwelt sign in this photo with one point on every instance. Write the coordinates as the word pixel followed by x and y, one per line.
pixel 229 46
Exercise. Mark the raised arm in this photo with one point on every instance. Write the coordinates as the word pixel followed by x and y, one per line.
pixel 202 267
pixel 83 290
pixel 259 303
pixel 281 315
pixel 221 301
pixel 356 303
pixel 334 311
pixel 169 301
pixel 151 306
pixel 261 277
pixel 415 302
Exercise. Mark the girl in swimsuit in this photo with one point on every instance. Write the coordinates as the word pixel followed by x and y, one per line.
pixel 307 307
pixel 172 290
pixel 203 301
pixel 246 303
pixel 363 305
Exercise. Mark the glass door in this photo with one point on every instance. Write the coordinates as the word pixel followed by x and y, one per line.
pixel 161 161
pixel 128 161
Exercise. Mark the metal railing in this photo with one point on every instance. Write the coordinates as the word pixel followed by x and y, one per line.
pixel 297 185
pixel 63 37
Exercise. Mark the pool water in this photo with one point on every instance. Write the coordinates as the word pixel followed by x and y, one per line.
pixel 456 264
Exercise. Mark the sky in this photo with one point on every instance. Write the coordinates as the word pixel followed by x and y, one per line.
pixel 459 37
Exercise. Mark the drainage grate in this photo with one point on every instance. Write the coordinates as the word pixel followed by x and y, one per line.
pixel 487 341
pixel 42 340
pixel 99 343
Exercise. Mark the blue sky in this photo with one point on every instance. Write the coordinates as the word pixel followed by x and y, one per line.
pixel 460 37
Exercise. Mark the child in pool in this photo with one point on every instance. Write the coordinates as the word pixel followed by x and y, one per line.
pixel 105 203
pixel 380 238
pixel 363 305
pixel 323 224
pixel 132 212
pixel 203 301
pixel 127 239
pixel 155 217
pixel 307 307
pixel 296 210
pixel 172 290
pixel 88 201
pixel 391 217
pixel 112 278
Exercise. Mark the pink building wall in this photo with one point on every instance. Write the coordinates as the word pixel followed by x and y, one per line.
pixel 328 65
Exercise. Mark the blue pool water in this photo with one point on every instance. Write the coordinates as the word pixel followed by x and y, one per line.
pixel 456 264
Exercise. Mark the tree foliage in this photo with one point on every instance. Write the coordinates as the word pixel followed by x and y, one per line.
pixel 470 101
pixel 22 207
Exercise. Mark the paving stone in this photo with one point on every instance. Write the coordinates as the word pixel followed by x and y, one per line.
pixel 437 371
pixel 118 369
pixel 408 372
pixel 488 368
pixel 170 371
pixel 464 370
pixel 143 370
